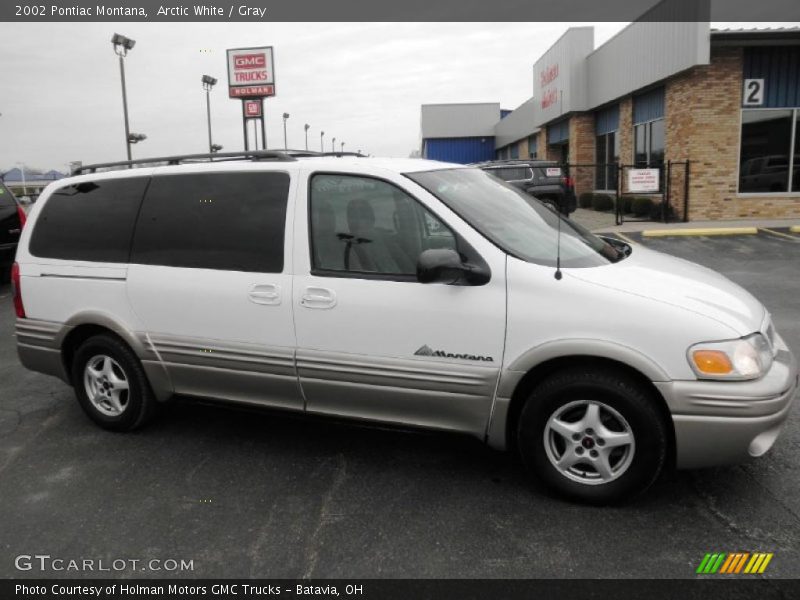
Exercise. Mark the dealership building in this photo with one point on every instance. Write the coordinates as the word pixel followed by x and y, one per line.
pixel 716 111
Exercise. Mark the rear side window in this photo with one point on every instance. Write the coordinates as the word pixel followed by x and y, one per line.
pixel 228 221
pixel 92 220
pixel 512 173
pixel 6 197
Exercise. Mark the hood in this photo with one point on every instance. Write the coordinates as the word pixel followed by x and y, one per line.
pixel 681 283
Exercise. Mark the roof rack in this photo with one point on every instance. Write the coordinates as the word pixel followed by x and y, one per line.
pixel 184 158
pixel 277 155
pixel 340 154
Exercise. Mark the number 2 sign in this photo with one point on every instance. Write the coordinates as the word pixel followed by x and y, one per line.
pixel 753 94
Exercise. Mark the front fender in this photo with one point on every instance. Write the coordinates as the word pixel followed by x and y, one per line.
pixel 511 376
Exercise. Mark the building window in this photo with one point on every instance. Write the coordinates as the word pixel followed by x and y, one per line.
pixel 514 150
pixel 767 162
pixel 649 141
pixel 532 146
pixel 606 159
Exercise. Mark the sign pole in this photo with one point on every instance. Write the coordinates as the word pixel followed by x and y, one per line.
pixel 263 125
pixel 251 78
pixel 244 127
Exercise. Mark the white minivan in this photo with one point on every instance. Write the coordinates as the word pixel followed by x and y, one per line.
pixel 397 291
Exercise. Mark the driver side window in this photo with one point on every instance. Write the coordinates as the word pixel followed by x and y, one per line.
pixel 365 225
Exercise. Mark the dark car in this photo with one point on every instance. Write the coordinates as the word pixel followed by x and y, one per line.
pixel 542 179
pixel 12 219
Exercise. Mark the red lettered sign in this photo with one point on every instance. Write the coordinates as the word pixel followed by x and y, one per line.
pixel 251 72
pixel 249 61
pixel 251 91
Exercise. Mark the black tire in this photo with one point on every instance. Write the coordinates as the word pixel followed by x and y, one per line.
pixel 139 402
pixel 567 390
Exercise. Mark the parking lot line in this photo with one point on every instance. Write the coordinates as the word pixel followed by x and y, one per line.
pixel 700 231
pixel 779 233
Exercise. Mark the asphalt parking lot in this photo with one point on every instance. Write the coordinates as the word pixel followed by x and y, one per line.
pixel 267 494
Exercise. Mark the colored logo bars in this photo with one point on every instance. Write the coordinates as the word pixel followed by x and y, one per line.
pixel 734 563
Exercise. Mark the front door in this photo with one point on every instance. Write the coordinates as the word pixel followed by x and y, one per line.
pixel 373 342
pixel 210 283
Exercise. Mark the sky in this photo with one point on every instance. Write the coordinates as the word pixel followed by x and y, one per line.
pixel 362 83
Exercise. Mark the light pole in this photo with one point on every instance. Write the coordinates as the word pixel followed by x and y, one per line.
pixel 342 147
pixel 333 145
pixel 121 47
pixel 24 183
pixel 285 117
pixel 306 127
pixel 208 83
pixel 321 141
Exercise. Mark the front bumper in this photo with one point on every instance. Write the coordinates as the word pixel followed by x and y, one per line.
pixel 718 423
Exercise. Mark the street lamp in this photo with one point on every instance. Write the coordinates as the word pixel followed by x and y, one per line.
pixel 333 145
pixel 321 141
pixel 215 148
pixel 306 127
pixel 342 147
pixel 24 183
pixel 208 83
pixel 121 46
pixel 135 138
pixel 285 118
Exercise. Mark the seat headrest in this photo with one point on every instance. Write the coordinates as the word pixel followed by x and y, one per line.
pixel 360 216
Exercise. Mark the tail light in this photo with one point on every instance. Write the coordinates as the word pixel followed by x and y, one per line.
pixel 22 216
pixel 568 182
pixel 18 306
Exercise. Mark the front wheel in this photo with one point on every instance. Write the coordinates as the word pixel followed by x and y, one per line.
pixel 111 385
pixel 593 436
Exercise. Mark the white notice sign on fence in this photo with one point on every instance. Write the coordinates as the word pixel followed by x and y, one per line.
pixel 643 180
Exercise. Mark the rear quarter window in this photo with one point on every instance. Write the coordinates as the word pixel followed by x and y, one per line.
pixel 91 220
pixel 512 173
pixel 227 221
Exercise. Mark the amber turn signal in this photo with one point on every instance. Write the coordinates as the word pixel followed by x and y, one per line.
pixel 712 362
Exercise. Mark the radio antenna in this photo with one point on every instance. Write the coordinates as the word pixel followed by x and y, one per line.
pixel 558 274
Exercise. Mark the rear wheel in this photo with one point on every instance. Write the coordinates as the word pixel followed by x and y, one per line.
pixel 593 436
pixel 111 385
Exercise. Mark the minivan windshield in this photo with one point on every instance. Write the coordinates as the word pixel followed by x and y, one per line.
pixel 517 223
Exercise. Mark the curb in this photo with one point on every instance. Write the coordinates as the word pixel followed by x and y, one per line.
pixel 704 231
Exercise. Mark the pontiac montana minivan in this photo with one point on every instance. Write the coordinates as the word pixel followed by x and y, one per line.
pixel 397 291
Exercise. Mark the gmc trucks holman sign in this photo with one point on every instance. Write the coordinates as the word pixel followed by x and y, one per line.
pixel 251 73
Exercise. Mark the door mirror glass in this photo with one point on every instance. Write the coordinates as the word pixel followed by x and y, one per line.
pixel 444 265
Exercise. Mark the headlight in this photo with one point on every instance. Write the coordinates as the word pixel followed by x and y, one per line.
pixel 746 358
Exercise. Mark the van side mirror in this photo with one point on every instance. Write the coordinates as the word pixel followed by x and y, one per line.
pixel 443 265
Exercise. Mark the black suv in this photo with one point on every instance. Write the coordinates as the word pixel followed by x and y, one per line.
pixel 542 179
pixel 12 218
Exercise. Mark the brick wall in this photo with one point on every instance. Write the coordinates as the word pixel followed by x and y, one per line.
pixel 523 147
pixel 703 123
pixel 545 152
pixel 581 150
pixel 625 133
